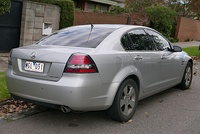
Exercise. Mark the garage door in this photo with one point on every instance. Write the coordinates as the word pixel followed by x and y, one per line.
pixel 10 24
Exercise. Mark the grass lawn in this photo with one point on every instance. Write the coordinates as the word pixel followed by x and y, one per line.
pixel 192 51
pixel 4 94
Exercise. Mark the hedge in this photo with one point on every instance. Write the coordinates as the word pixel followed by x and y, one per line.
pixel 67 11
pixel 4 6
pixel 163 19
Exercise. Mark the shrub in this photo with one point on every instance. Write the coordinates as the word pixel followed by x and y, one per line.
pixel 4 6
pixel 117 10
pixel 162 18
pixel 67 11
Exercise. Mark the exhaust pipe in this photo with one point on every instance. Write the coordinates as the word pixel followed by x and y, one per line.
pixel 65 109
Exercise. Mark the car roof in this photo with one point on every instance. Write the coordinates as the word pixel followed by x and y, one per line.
pixel 113 26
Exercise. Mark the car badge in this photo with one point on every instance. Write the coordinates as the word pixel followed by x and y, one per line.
pixel 33 55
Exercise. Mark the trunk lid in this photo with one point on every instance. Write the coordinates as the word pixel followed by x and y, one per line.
pixel 43 62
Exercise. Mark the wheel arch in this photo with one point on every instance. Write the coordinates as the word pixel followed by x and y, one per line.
pixel 116 104
pixel 191 61
pixel 133 77
pixel 136 79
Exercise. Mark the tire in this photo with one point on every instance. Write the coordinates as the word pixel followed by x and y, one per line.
pixel 125 102
pixel 187 77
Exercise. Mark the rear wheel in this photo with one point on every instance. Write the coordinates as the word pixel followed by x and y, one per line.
pixel 187 77
pixel 125 101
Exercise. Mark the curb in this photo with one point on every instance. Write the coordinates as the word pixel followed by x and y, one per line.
pixel 23 114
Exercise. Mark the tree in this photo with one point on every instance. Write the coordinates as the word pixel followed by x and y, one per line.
pixel 194 5
pixel 140 5
pixel 4 6
pixel 180 6
pixel 162 18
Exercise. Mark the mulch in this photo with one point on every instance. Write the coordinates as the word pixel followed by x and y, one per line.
pixel 11 106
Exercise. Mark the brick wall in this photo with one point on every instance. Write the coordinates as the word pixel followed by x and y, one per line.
pixel 34 15
pixel 100 18
pixel 188 29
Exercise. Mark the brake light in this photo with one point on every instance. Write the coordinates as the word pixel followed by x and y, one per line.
pixel 80 63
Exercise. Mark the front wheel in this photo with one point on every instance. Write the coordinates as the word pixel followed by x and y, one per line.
pixel 187 77
pixel 125 101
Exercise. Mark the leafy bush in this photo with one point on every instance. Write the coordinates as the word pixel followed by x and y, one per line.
pixel 4 6
pixel 171 39
pixel 67 11
pixel 162 18
pixel 117 10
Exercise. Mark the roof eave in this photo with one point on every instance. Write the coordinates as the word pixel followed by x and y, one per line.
pixel 107 2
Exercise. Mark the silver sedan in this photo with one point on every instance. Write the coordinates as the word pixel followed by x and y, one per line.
pixel 97 67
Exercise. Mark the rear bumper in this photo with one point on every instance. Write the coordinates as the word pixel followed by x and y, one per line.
pixel 79 92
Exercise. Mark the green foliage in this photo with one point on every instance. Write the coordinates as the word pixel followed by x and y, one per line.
pixel 171 39
pixel 162 18
pixel 117 10
pixel 4 6
pixel 4 93
pixel 67 11
pixel 140 5
pixel 192 51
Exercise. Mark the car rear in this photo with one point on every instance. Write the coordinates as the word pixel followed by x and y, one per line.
pixel 60 71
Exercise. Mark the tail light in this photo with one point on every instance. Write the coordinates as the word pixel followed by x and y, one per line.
pixel 80 63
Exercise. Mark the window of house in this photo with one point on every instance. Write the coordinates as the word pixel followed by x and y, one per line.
pixel 104 8
pixel 91 6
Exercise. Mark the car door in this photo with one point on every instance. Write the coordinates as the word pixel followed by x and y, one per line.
pixel 142 50
pixel 170 61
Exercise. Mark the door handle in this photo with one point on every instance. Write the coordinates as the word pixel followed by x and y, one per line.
pixel 138 57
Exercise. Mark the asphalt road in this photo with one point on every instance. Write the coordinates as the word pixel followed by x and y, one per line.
pixel 171 112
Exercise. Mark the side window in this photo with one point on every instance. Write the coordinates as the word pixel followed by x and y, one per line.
pixel 137 40
pixel 140 40
pixel 160 42
pixel 126 42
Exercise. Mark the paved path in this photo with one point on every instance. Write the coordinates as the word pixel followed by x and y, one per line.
pixel 187 44
pixel 3 62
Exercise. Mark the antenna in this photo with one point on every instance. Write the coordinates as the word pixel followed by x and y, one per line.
pixel 92 26
pixel 88 20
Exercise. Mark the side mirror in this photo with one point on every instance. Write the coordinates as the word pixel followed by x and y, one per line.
pixel 177 49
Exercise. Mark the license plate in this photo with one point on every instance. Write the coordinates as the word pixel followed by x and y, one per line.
pixel 34 66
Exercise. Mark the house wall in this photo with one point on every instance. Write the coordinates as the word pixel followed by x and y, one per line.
pixel 89 5
pixel 34 15
pixel 80 18
pixel 188 29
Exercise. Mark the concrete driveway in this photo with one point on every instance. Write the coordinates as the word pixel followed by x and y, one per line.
pixel 187 44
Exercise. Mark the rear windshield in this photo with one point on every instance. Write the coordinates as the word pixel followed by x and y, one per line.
pixel 78 37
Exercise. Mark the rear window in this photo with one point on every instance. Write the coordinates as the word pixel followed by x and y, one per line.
pixel 78 37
